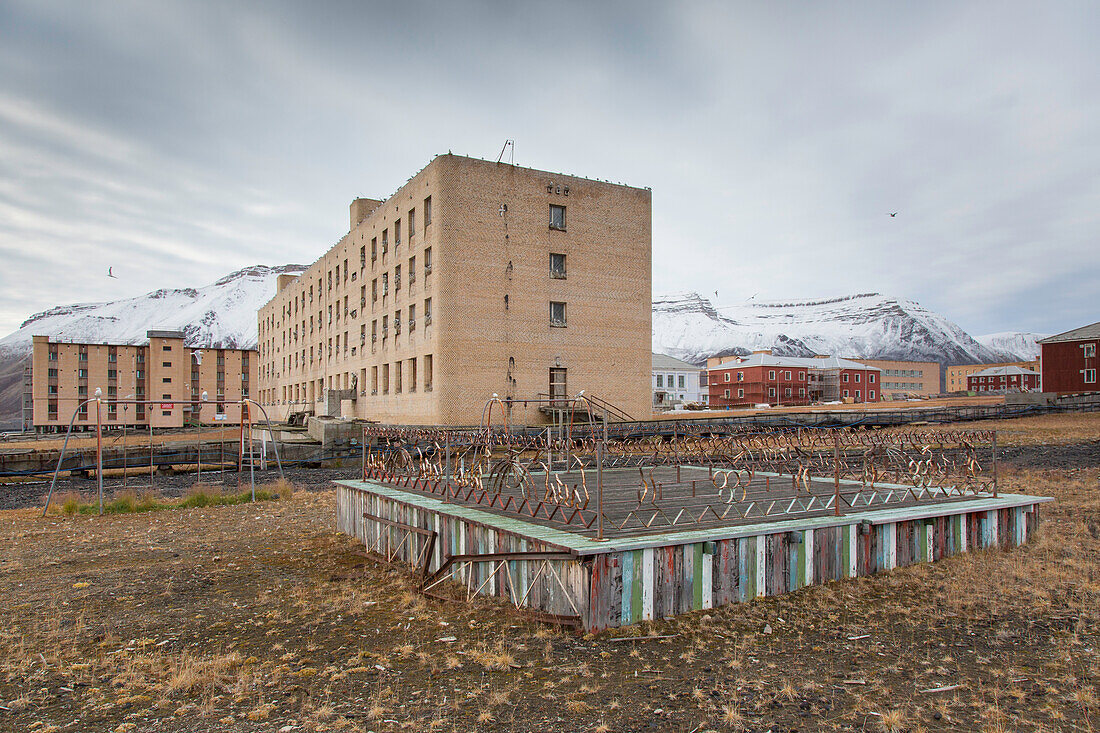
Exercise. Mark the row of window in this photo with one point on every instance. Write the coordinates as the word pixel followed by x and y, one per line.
pixel 661 381
pixel 902 373
pixel 403 375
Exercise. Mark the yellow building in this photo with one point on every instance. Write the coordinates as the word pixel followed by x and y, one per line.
pixel 955 381
pixel 475 278
pixel 164 373
pixel 907 378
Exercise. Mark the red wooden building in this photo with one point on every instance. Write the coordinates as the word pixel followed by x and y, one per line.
pixel 1069 361
pixel 1003 379
pixel 786 380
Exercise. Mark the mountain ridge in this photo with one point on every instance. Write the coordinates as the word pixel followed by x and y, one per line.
pixel 685 325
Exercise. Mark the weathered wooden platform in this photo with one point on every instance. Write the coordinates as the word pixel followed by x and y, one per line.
pixel 647 571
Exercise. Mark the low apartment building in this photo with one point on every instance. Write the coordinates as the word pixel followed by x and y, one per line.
pixel 677 383
pixel 475 278
pixel 901 379
pixel 163 377
pixel 957 375
pixel 1003 379
pixel 786 380
pixel 1070 361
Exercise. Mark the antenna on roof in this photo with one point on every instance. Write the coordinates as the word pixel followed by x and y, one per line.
pixel 511 155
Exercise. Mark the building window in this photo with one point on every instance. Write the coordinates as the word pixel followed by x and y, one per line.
pixel 1090 376
pixel 787 375
pixel 557 314
pixel 428 261
pixel 871 394
pixel 726 393
pixel 787 392
pixel 166 380
pixel 740 377
pixel 771 391
pixel 557 217
pixel 558 389
pixel 427 212
pixel 557 266
pixel 428 373
pixel 846 393
pixel 680 381
pixel 427 315
pixel 740 392
pixel 771 374
pixel 660 380
pixel 871 379
pixel 412 271
pixel 1089 350
pixel 844 378
pixel 166 347
pixel 858 375
pixel 726 377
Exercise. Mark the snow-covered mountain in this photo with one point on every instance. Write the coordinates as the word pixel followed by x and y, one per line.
pixel 1014 345
pixel 690 327
pixel 685 325
pixel 222 314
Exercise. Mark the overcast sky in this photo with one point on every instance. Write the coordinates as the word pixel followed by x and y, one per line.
pixel 179 141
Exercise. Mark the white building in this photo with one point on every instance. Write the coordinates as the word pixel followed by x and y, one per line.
pixel 677 383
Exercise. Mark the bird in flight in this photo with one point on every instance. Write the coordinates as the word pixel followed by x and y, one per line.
pixel 111 274
pixel 894 214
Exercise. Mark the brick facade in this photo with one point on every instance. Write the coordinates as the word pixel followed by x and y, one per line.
pixel 163 371
pixel 354 335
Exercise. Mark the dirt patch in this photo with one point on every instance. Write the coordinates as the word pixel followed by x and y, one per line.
pixel 260 617
pixel 1081 455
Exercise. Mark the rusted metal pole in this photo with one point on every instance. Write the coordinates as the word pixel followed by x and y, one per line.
pixel 151 479
pixel 836 473
pixel 99 451
pixel 995 464
pixel 240 450
pixel 251 456
pixel 599 489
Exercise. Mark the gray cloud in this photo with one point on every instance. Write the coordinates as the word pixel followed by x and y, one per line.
pixel 176 141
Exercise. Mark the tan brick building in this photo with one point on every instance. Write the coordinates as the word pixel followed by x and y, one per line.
pixel 474 278
pixel 163 372
pixel 955 379
pixel 918 378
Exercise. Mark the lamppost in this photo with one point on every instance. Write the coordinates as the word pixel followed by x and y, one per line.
pixel 198 450
pixel 99 445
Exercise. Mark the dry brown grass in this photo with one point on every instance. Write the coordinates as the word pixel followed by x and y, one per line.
pixel 244 618
pixel 1061 429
